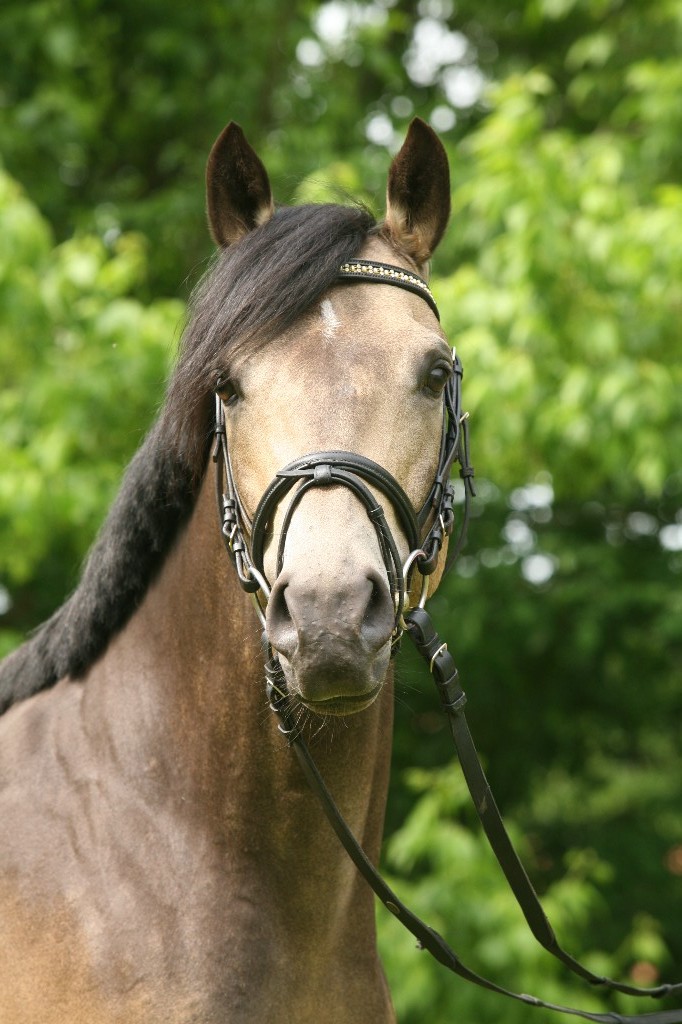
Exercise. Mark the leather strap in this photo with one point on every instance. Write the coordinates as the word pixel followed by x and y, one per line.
pixel 386 273
pixel 453 701
pixel 324 469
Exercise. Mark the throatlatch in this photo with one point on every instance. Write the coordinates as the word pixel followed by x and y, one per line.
pixel 436 520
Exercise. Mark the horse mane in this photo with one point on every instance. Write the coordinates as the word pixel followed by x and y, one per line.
pixel 254 291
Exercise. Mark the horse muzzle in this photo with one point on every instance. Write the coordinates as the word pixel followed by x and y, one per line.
pixel 333 635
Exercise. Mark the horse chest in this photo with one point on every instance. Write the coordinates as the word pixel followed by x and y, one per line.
pixel 140 961
pixel 115 907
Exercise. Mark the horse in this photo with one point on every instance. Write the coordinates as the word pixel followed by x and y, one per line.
pixel 162 859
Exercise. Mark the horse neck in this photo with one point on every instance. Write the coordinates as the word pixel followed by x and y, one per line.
pixel 178 703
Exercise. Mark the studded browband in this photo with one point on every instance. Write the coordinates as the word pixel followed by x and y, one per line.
pixel 370 270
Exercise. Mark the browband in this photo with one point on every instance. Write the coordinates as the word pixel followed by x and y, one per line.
pixel 385 273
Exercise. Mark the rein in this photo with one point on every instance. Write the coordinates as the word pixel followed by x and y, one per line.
pixel 436 520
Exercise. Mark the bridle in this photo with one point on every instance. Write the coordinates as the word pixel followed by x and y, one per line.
pixel 323 469
pixel 425 531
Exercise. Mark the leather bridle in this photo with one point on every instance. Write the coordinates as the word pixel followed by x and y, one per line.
pixel 435 520
pixel 425 529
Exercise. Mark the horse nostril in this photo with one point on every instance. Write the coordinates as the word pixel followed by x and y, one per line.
pixel 281 629
pixel 376 604
pixel 378 618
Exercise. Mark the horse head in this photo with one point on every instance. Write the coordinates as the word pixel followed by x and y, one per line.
pixel 363 372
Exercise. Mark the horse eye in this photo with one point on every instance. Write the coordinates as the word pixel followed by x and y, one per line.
pixel 226 390
pixel 437 378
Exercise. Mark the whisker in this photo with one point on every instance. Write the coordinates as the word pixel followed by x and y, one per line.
pixel 324 725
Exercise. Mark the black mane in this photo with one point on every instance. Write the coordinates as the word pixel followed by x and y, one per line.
pixel 255 290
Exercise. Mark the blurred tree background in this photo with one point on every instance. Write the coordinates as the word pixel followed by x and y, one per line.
pixel 560 283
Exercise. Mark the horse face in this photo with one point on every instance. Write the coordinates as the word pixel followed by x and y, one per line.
pixel 363 372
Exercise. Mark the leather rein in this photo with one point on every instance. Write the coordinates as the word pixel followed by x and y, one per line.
pixel 425 531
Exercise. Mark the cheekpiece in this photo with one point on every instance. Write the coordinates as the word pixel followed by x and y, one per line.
pixel 385 273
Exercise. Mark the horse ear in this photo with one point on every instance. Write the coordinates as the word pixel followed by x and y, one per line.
pixel 418 194
pixel 238 195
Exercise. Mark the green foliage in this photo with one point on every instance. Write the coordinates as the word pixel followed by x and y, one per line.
pixel 83 366
pixel 559 282
pixel 566 300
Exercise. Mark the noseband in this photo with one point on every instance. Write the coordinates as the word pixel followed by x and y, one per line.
pixel 436 518
pixel 425 530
